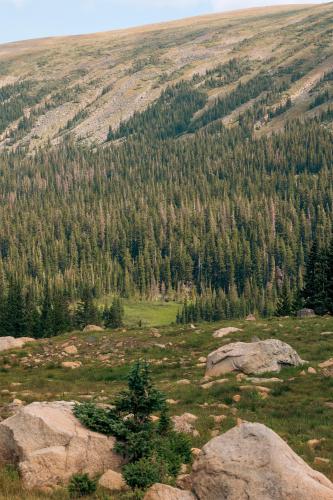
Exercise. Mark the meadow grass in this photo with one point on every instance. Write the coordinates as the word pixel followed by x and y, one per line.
pixel 295 408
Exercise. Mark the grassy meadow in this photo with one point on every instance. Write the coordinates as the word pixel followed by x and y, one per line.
pixel 296 408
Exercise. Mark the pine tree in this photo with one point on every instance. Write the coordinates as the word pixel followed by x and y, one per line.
pixel 86 311
pixel 284 306
pixel 330 278
pixel 61 315
pixel 46 326
pixel 32 314
pixel 113 316
pixel 15 318
pixel 316 279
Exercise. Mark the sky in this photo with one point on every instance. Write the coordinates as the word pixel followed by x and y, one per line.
pixel 23 19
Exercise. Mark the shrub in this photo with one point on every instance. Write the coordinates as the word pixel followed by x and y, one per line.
pixel 153 452
pixel 144 473
pixel 81 485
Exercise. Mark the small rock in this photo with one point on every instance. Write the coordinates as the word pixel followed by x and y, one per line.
pixel 92 328
pixel 218 419
pixel 71 349
pixel 208 385
pixel 314 443
pixel 251 317
pixel 160 346
pixel 184 482
pixel 195 451
pixel 236 398
pixel 184 381
pixel 326 364
pixel 71 364
pixel 203 359
pixel 164 492
pixel 321 461
pixel 155 333
pixel 311 370
pixel 184 423
pixel 256 380
pixel 223 332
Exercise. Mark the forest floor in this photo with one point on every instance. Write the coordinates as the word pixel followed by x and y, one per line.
pixel 298 408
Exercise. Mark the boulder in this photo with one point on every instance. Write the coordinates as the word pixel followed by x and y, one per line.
pixel 112 481
pixel 223 332
pixel 252 462
pixel 164 492
pixel 93 328
pixel 48 445
pixel 305 313
pixel 251 358
pixel 7 343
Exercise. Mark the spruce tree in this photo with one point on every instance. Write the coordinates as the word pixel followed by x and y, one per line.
pixel 46 326
pixel 86 311
pixel 113 317
pixel 32 314
pixel 15 318
pixel 284 306
pixel 330 278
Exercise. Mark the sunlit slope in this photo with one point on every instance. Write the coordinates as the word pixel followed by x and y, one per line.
pixel 82 85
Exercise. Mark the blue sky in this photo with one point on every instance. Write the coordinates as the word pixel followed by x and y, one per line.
pixel 22 19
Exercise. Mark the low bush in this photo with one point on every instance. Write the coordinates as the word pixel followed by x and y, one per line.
pixel 153 452
pixel 81 485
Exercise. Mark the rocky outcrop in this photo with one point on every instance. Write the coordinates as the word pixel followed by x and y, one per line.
pixel 251 358
pixel 7 343
pixel 223 332
pixel 252 462
pixel 164 492
pixel 49 445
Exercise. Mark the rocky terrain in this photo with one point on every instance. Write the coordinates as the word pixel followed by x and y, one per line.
pixel 80 86
pixel 289 408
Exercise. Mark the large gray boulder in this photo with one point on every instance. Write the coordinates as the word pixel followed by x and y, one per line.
pixel 48 445
pixel 7 343
pixel 251 358
pixel 251 462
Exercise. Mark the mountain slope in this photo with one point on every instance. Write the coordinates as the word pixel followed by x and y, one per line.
pixel 80 86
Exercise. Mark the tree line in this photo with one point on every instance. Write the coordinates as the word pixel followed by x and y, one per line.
pixel 21 315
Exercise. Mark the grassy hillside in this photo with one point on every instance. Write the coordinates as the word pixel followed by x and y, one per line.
pixel 79 86
pixel 296 408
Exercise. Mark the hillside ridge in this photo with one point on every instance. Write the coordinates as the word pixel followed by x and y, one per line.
pixel 81 85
